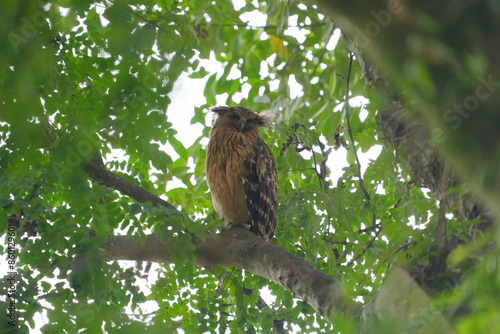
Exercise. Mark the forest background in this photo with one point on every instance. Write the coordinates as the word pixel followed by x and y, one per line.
pixel 93 170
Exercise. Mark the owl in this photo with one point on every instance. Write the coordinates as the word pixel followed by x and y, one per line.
pixel 241 171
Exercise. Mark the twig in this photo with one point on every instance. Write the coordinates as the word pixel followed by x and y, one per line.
pixel 358 164
pixel 322 166
pixel 368 229
pixel 299 169
pixel 404 246
pixel 370 244
pixel 349 129
pixel 299 147
pixel 320 180
pixel 261 304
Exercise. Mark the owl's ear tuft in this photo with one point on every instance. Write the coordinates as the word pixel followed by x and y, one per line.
pixel 220 110
pixel 266 117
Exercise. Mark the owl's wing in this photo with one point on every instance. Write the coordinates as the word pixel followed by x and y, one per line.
pixel 261 186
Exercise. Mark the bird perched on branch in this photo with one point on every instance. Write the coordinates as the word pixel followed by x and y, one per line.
pixel 241 171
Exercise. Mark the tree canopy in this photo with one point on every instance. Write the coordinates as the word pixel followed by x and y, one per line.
pixel 382 200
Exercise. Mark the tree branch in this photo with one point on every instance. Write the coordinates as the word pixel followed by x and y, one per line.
pixel 240 248
pixel 349 128
pixel 261 304
pixel 98 172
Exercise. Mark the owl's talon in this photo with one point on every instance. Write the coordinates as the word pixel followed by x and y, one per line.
pixel 234 224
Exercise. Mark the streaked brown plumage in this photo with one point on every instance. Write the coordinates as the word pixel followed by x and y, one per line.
pixel 241 171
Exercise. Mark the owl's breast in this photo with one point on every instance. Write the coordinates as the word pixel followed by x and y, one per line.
pixel 224 170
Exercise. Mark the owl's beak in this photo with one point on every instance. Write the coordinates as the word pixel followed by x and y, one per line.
pixel 241 127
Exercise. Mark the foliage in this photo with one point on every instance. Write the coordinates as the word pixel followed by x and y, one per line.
pixel 80 77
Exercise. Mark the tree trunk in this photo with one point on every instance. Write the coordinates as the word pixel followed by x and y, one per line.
pixel 444 58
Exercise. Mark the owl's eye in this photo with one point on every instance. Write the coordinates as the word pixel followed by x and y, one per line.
pixel 234 117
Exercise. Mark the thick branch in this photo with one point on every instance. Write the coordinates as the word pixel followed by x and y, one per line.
pixel 98 172
pixel 240 248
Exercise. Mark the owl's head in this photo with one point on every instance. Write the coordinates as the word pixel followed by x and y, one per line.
pixel 240 118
